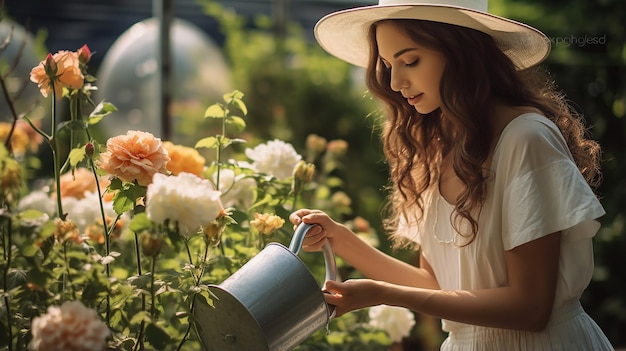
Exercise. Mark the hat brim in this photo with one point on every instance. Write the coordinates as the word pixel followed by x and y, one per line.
pixel 344 33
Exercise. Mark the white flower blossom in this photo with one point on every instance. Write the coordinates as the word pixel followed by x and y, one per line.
pixel 86 211
pixel 275 157
pixel 237 190
pixel 186 198
pixel 70 327
pixel 397 322
pixel 38 200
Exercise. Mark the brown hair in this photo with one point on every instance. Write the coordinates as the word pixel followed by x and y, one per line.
pixel 476 74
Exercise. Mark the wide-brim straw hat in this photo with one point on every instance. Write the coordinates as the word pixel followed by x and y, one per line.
pixel 344 34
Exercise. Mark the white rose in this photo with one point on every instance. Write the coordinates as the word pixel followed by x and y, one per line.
pixel 186 198
pixel 275 157
pixel 237 190
pixel 83 212
pixel 40 201
pixel 397 322
pixel 70 327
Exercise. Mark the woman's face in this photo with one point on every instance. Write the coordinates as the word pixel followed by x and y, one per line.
pixel 415 70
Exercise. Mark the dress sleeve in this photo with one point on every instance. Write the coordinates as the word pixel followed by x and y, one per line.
pixel 541 187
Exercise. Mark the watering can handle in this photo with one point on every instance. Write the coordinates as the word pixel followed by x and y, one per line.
pixel 327 250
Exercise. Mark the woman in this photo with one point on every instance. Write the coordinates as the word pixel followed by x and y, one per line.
pixel 492 176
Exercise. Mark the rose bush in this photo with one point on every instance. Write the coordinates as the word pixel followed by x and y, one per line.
pixel 114 251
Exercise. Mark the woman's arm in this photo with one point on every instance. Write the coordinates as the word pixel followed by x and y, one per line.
pixel 368 260
pixel 525 303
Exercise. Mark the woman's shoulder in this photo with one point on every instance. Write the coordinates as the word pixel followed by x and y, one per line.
pixel 529 128
pixel 530 141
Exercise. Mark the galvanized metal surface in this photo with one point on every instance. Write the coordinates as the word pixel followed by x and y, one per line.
pixel 272 303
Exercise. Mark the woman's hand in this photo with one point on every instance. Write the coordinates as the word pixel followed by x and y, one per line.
pixel 323 228
pixel 353 294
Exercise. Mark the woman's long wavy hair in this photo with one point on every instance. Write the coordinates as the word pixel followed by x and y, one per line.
pixel 477 74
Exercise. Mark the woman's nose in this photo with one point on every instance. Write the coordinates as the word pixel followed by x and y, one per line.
pixel 397 81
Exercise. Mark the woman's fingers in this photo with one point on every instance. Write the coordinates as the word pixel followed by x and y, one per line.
pixel 352 294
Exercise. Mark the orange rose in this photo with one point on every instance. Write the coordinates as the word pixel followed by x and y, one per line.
pixel 75 185
pixel 184 159
pixel 63 67
pixel 134 156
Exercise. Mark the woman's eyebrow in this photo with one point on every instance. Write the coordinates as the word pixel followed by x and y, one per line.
pixel 399 53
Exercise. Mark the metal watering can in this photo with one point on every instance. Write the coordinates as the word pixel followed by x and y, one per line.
pixel 272 303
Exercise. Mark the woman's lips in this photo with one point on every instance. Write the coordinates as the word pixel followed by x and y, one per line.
pixel 412 100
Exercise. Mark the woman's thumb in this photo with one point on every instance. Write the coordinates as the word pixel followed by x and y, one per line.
pixel 332 286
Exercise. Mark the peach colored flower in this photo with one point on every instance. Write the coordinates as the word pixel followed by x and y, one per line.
pixel 266 223
pixel 184 159
pixel 20 141
pixel 76 184
pixel 67 231
pixel 63 67
pixel 135 156
pixel 315 145
pixel 95 231
pixel 69 327
pixel 34 138
pixel 337 147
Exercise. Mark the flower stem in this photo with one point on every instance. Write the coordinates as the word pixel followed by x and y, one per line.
pixel 68 273
pixel 7 256
pixel 105 229
pixel 139 344
pixel 152 290
pixel 54 144
pixel 197 281
pixel 7 97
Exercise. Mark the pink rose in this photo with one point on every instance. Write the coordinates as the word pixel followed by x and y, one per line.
pixel 134 156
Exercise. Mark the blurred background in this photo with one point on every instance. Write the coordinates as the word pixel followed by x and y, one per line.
pixel 266 49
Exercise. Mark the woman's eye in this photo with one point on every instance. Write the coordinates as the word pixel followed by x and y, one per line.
pixel 413 64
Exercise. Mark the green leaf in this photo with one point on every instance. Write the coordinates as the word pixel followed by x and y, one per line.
pixel 76 156
pixel 30 214
pixel 140 223
pixel 102 110
pixel 157 336
pixel 30 251
pixel 141 316
pixel 234 95
pixel 236 121
pixel 122 203
pixel 116 184
pixel 38 277
pixel 215 111
pixel 241 106
pixel 209 143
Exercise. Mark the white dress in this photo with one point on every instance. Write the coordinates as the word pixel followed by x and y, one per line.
pixel 536 190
